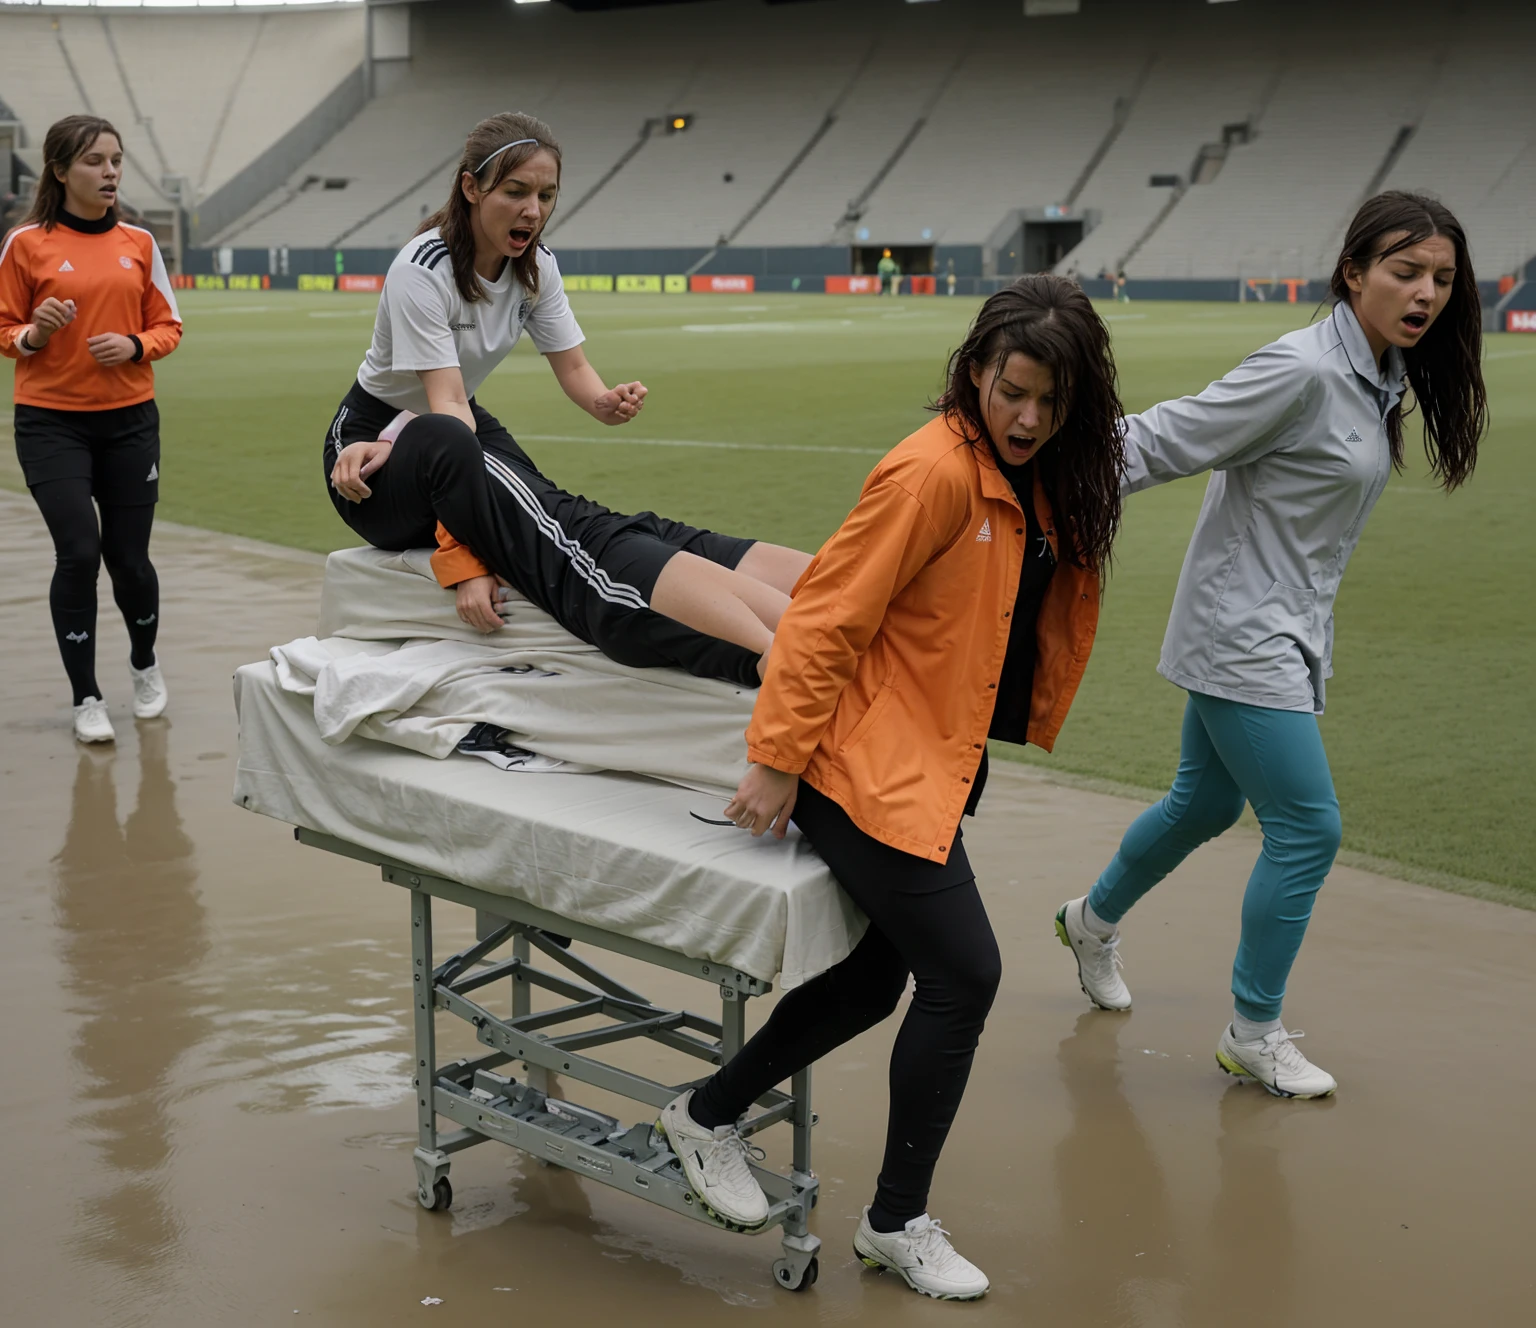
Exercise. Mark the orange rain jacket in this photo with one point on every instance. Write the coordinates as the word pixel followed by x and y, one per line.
pixel 884 670
pixel 118 282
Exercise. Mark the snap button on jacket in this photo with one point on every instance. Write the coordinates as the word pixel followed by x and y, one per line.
pixel 884 670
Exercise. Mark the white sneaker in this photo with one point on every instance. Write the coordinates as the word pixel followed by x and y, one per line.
pixel 92 723
pixel 1276 1062
pixel 923 1256
pixel 715 1162
pixel 1098 961
pixel 149 694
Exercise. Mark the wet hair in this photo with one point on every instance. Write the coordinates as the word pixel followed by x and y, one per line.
pixel 1049 319
pixel 65 143
pixel 1445 369
pixel 489 168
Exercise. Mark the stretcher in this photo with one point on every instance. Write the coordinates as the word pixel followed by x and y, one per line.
pixel 549 863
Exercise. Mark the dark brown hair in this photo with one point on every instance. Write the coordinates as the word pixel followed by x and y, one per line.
pixel 65 143
pixel 453 217
pixel 1445 369
pixel 1049 319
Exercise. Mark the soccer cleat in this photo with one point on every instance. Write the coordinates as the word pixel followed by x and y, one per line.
pixel 92 723
pixel 922 1254
pixel 1276 1062
pixel 1098 962
pixel 715 1162
pixel 149 694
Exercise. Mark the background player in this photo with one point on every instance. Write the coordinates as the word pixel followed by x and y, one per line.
pixel 86 306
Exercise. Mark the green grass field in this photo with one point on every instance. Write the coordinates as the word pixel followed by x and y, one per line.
pixel 765 414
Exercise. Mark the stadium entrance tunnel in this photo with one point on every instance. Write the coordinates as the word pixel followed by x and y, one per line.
pixel 1038 246
pixel 913 259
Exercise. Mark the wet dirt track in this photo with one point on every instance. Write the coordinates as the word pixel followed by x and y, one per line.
pixel 205 1116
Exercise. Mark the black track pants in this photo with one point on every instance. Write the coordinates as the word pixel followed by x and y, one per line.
pixel 940 937
pixel 81 544
pixel 551 545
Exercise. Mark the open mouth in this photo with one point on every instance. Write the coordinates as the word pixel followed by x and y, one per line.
pixel 520 235
pixel 1416 322
pixel 1020 446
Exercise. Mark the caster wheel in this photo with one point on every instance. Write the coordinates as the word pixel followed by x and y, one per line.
pixel 784 1274
pixel 442 1197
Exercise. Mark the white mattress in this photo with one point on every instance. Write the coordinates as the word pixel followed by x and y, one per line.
pixel 620 852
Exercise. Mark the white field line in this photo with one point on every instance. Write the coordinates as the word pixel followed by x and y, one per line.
pixel 1511 354
pixel 696 442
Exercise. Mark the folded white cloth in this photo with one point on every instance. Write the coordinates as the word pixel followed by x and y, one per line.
pixel 399 667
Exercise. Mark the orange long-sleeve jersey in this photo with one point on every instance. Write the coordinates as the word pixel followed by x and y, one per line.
pixel 118 282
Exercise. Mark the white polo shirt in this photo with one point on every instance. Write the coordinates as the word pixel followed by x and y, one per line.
pixel 424 323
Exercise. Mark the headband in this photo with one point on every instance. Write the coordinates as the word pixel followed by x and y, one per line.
pixel 504 147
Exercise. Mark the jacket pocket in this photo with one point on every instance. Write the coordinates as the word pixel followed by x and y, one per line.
pixel 867 720
pixel 1281 615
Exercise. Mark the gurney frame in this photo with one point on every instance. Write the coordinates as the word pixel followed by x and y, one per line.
pixel 486 1105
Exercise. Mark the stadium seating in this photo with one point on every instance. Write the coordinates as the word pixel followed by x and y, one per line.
pixel 215 87
pixel 942 119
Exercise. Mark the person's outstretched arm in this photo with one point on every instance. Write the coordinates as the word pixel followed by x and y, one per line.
pixel 1237 419
pixel 584 385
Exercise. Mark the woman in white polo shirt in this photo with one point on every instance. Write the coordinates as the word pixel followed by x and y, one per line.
pixel 1302 438
pixel 413 459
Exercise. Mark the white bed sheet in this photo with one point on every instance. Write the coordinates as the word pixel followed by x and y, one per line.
pixel 619 852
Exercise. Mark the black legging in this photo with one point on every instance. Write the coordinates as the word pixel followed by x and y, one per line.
pixel 81 545
pixel 944 940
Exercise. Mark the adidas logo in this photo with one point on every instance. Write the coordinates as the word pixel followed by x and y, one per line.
pixel 78 637
pixel 985 537
pixel 144 622
pixel 66 266
pixel 154 473
pixel 1354 437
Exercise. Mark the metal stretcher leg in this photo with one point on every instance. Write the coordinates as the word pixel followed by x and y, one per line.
pixel 433 1189
pixel 798 1269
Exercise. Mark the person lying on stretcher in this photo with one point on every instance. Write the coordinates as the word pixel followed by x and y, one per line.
pixel 411 455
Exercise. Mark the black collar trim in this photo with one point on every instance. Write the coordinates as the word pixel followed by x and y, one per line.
pixel 85 227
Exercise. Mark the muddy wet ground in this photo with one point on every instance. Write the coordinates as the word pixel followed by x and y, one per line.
pixel 205 1116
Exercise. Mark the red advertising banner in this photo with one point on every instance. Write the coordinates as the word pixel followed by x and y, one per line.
pixel 1520 320
pixel 722 285
pixel 853 285
pixel 358 281
pixel 924 285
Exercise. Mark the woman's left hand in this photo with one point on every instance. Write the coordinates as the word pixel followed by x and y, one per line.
pixel 110 349
pixel 765 799
pixel 620 404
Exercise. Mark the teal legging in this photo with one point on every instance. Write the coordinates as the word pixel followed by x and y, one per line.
pixel 1231 754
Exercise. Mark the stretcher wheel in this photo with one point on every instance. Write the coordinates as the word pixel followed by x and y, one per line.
pixel 783 1272
pixel 442 1196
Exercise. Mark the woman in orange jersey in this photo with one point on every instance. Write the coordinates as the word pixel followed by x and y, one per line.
pixel 957 602
pixel 85 306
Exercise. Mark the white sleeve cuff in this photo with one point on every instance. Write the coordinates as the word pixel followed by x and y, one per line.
pixel 22 348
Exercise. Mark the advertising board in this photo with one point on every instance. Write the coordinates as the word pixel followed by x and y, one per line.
pixel 371 283
pixel 637 285
pixel 853 285
pixel 1520 320
pixel 722 285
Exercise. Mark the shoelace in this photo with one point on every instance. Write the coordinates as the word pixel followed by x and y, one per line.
pixel 1109 957
pixel 1281 1047
pixel 731 1154
pixel 931 1245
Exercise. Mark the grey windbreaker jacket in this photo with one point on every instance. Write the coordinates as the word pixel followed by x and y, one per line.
pixel 1297 437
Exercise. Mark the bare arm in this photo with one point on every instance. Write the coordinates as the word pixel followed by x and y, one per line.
pixel 582 383
pixel 446 394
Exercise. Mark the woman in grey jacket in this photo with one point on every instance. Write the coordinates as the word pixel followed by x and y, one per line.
pixel 1301 437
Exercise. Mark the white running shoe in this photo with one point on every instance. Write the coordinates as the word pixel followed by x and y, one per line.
pixel 1276 1062
pixel 923 1256
pixel 715 1162
pixel 149 693
pixel 1098 961
pixel 92 723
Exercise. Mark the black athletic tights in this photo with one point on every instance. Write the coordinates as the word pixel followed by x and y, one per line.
pixel 942 938
pixel 81 544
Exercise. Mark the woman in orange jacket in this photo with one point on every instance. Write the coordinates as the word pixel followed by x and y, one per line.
pixel 85 306
pixel 957 602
